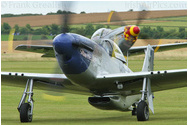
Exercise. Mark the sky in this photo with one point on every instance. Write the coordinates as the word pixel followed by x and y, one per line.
pixel 44 7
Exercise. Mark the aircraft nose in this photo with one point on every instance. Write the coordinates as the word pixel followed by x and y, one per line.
pixel 63 44
pixel 67 49
pixel 134 30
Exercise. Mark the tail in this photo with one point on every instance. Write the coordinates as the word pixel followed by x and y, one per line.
pixel 149 59
pixel 148 66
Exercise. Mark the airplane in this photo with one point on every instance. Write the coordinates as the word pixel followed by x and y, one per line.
pixel 97 67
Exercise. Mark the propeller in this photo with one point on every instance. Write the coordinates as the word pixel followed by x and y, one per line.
pixel 10 40
pixel 114 18
pixel 142 14
pixel 66 6
pixel 65 19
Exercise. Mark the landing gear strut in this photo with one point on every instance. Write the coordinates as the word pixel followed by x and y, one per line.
pixel 26 109
pixel 134 111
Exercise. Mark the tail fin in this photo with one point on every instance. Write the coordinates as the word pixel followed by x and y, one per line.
pixel 149 59
pixel 148 66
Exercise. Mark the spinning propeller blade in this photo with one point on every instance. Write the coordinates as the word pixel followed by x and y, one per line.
pixel 66 6
pixel 64 19
pixel 10 40
pixel 141 15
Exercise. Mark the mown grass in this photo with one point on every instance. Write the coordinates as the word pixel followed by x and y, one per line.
pixel 167 26
pixel 170 23
pixel 75 110
pixel 24 37
pixel 181 18
pixel 170 105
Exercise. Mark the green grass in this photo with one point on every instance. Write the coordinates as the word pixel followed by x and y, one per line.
pixel 170 105
pixel 4 37
pixel 181 18
pixel 166 25
pixel 75 110
pixel 48 66
pixel 22 37
pixel 170 23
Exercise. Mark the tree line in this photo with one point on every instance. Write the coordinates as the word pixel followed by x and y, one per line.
pixel 146 32
pixel 159 33
pixel 50 13
pixel 52 29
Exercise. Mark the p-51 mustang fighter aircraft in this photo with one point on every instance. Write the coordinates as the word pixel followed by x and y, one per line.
pixel 97 66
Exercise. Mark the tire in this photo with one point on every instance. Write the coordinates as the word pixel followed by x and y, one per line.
pixel 142 111
pixel 25 111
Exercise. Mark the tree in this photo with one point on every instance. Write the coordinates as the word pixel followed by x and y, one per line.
pixel 23 30
pixel 59 12
pixel 181 29
pixel 143 36
pixel 16 27
pixel 89 29
pixel 99 26
pixel 28 27
pixel 5 28
pixel 45 30
pixel 51 13
pixel 160 29
pixel 64 12
pixel 37 31
pixel 54 29
pixel 78 30
pixel 83 12
pixel 108 26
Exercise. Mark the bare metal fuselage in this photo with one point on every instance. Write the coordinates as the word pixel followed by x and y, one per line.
pixel 82 60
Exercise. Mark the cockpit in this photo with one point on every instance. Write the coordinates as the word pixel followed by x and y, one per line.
pixel 112 49
pixel 99 34
pixel 110 46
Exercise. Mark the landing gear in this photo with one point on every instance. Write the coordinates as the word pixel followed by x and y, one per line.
pixel 142 111
pixel 134 111
pixel 25 113
pixel 26 109
pixel 142 107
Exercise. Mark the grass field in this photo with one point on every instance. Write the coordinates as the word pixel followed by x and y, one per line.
pixel 22 37
pixel 169 24
pixel 170 105
pixel 181 18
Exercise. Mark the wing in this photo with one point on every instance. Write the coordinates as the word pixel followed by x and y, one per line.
pixel 49 82
pixel 132 82
pixel 140 49
pixel 46 50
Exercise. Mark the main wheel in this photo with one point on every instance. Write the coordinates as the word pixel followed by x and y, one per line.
pixel 25 113
pixel 142 111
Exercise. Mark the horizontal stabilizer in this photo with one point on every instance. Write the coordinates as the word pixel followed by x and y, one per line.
pixel 165 47
pixel 149 58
